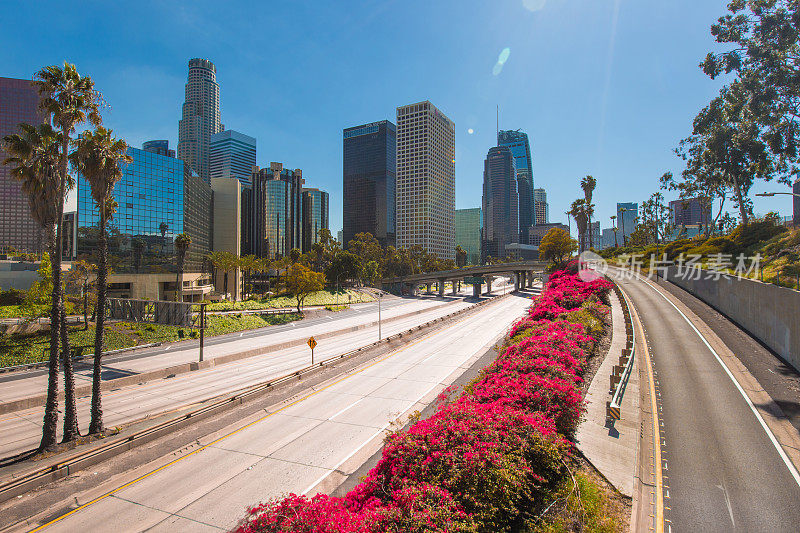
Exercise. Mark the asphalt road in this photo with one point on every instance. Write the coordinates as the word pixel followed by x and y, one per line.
pixel 721 470
pixel 296 445
pixel 21 430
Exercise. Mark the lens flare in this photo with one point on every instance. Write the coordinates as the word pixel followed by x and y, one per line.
pixel 470 131
pixel 501 60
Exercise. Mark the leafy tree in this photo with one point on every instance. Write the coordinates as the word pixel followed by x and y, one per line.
pixel 302 281
pixel 461 257
pixel 182 243
pixel 345 266
pixel 294 255
pixel 367 247
pixel 224 262
pixel 99 157
pixel 557 245
pixel 38 296
pixel 248 264
pixel 82 275
pixel 371 272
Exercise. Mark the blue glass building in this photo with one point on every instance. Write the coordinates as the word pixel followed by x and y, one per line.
pixel 627 217
pixel 272 224
pixel 369 173
pixel 517 142
pixel 232 155
pixel 157 198
pixel 315 216
pixel 500 203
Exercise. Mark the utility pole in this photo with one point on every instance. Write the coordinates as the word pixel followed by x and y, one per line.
pixel 202 328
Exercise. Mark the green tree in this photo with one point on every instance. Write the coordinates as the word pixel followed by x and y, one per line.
pixel 224 262
pixel 461 257
pixel 38 296
pixel 557 245
pixel 371 272
pixel 588 185
pixel 34 161
pixel 182 243
pixel 248 263
pixel 99 157
pixel 579 211
pixel 302 281
pixel 346 266
pixel 82 275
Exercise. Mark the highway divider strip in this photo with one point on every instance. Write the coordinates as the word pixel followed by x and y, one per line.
pixel 135 379
pixel 60 469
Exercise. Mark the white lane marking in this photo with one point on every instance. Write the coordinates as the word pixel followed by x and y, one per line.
pixel 775 443
pixel 728 503
pixel 167 348
pixel 346 408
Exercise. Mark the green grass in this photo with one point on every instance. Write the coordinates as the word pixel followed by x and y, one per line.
pixel 336 308
pixel 326 297
pixel 10 311
pixel 23 349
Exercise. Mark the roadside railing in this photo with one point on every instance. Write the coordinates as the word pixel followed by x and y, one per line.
pixel 620 373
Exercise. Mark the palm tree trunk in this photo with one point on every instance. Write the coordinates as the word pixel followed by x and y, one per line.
pixel 70 410
pixel 50 422
pixel 225 284
pixel 96 425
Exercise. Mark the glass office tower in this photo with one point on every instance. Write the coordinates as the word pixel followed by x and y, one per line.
pixel 627 215
pixel 160 147
pixel 233 155
pixel 500 203
pixel 517 141
pixel 468 233
pixel 157 198
pixel 315 216
pixel 19 102
pixel 273 212
pixel 369 170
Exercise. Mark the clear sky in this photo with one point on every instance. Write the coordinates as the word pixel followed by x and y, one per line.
pixel 602 87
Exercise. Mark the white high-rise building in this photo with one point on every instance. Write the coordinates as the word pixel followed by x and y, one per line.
pixel 200 118
pixel 426 179
pixel 542 209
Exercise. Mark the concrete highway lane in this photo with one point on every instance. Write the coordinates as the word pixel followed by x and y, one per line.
pixel 722 471
pixel 296 445
pixel 21 430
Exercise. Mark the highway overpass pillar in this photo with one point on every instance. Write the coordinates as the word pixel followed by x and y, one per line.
pixel 488 284
pixel 428 288
pixel 476 290
pixel 441 287
pixel 455 286
pixel 519 280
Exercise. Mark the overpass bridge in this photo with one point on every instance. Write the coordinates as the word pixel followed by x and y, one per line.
pixel 524 273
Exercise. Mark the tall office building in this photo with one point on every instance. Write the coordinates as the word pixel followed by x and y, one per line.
pixel 595 236
pixel 627 216
pixel 426 179
pixel 500 203
pixel 232 155
pixel 541 207
pixel 19 102
pixel 160 147
pixel 370 170
pixel 200 117
pixel 536 233
pixel 273 212
pixel 315 216
pixel 469 223
pixel 688 212
pixel 158 197
pixel 517 141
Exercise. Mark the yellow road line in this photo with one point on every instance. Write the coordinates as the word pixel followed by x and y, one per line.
pixel 144 476
pixel 657 467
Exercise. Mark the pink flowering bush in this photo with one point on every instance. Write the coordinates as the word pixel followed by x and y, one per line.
pixel 484 459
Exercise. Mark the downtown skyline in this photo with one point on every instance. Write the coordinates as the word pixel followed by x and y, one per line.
pixel 606 90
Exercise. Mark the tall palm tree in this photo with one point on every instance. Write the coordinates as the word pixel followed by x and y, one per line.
pixel 68 99
pixel 182 243
pixel 33 158
pixel 99 157
pixel 588 185
pixel 579 213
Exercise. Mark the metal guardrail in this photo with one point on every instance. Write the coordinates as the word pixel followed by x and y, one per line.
pixel 620 373
pixel 61 469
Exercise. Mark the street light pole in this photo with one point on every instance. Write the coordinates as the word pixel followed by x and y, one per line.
pixel 380 297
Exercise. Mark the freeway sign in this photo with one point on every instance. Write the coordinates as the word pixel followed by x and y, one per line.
pixel 473 280
pixel 312 342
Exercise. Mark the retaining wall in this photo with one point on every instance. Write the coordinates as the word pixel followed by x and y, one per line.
pixel 768 312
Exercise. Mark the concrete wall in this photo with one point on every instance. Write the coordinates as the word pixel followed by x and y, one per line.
pixel 227 229
pixel 768 312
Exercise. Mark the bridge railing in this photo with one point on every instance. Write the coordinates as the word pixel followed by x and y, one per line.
pixel 620 373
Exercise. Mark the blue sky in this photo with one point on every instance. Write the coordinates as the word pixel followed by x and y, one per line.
pixel 602 87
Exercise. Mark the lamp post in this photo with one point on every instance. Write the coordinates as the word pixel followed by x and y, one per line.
pixel 614 227
pixel 380 297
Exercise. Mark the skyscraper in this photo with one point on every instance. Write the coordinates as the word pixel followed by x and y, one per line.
pixel 19 102
pixel 688 212
pixel 468 233
pixel 627 214
pixel 273 212
pixel 315 216
pixel 517 141
pixel 500 202
pixel 200 118
pixel 541 207
pixel 370 170
pixel 232 155
pixel 160 147
pixel 426 184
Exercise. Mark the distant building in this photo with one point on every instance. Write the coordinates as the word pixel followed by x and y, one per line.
pixel 340 236
pixel 523 252
pixel 541 206
pixel 315 216
pixel 500 203
pixel 594 240
pixel 369 169
pixel 684 232
pixel 536 233
pixel 69 236
pixel 607 239
pixel 232 155
pixel 200 117
pixel 517 142
pixel 627 216
pixel 426 179
pixel 158 197
pixel 688 212
pixel 796 203
pixel 468 233
pixel 160 147
pixel 19 102
pixel 273 207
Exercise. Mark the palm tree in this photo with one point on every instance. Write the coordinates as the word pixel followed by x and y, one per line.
pixel 33 157
pixel 248 263
pixel 182 242
pixel 99 157
pixel 588 185
pixel 578 211
pixel 68 99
